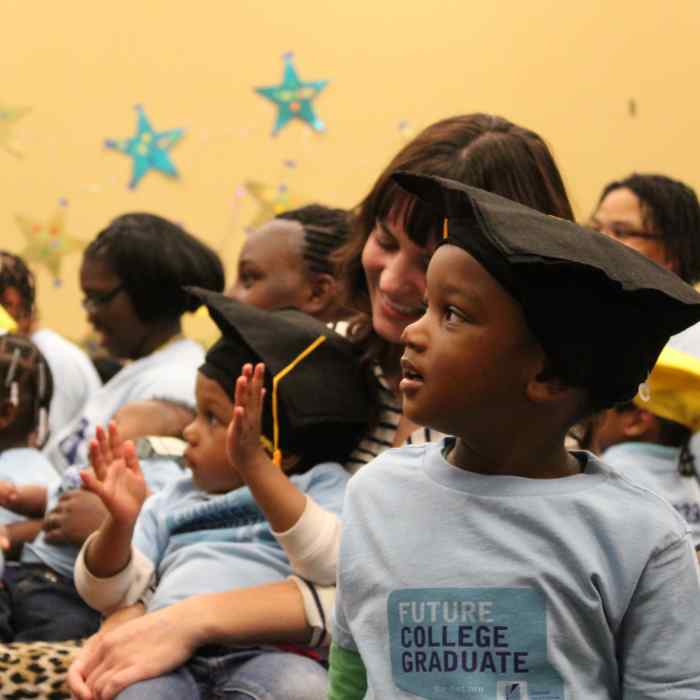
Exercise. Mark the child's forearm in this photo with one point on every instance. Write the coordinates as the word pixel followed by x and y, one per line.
pixel 109 551
pixel 21 532
pixel 281 501
pixel 30 501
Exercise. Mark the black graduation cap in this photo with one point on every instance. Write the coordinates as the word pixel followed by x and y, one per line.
pixel 318 399
pixel 601 311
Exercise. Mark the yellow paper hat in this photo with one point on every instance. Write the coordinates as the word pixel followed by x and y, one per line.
pixel 673 388
pixel 7 323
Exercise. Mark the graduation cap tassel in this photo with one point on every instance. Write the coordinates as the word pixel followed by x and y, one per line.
pixel 445 228
pixel 276 452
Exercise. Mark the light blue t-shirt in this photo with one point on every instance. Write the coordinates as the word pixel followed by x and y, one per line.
pixel 158 473
pixel 23 466
pixel 204 543
pixel 656 467
pixel 457 584
pixel 169 373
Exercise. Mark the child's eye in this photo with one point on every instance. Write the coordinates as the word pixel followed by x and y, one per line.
pixel 212 419
pixel 383 238
pixel 452 315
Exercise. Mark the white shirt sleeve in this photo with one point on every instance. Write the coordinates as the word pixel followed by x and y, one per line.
pixel 121 590
pixel 312 544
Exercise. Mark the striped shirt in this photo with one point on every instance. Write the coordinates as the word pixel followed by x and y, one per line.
pixel 382 436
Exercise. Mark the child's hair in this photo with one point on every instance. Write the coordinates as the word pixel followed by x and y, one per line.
pixel 154 258
pixel 15 273
pixel 670 208
pixel 26 382
pixel 480 150
pixel 325 230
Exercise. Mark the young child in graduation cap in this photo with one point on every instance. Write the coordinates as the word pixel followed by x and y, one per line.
pixel 206 533
pixel 496 564
pixel 648 438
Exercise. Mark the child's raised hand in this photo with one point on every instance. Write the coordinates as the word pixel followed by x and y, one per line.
pixel 8 494
pixel 243 438
pixel 116 475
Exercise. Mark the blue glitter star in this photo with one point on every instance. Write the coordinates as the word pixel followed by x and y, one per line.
pixel 148 148
pixel 293 97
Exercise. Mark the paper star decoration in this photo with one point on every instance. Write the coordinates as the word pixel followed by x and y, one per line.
pixel 271 200
pixel 148 148
pixel 47 242
pixel 294 97
pixel 8 117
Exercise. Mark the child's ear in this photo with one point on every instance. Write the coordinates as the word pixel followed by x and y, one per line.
pixel 638 424
pixel 8 413
pixel 322 293
pixel 544 387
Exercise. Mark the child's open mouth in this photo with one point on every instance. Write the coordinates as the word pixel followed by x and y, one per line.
pixel 412 378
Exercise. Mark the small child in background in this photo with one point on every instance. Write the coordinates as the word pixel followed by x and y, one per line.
pixel 288 262
pixel 648 439
pixel 205 533
pixel 38 601
pixel 26 388
pixel 497 564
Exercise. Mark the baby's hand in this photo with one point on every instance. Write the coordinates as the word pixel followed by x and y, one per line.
pixel 116 476
pixel 243 439
pixel 8 494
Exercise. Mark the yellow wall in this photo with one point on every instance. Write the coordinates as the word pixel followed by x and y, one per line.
pixel 567 70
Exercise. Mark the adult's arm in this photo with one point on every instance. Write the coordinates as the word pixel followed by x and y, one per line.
pixel 164 640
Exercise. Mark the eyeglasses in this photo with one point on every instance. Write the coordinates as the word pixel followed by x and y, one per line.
pixel 94 300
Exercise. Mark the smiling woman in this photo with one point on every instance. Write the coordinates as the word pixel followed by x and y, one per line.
pixel 132 276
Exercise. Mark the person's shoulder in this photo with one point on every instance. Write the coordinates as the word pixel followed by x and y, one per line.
pixel 50 343
pixel 320 475
pixel 643 509
pixel 395 463
pixel 177 351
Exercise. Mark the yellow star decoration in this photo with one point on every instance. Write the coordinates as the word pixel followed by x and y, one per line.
pixel 272 201
pixel 48 242
pixel 8 117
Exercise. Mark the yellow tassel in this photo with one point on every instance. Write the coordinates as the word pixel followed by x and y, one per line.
pixel 444 228
pixel 277 458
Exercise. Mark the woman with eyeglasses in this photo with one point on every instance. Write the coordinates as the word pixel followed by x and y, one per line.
pixel 132 276
pixel 657 216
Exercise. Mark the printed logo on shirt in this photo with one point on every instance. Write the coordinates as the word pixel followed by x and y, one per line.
pixel 71 443
pixel 471 643
pixel 509 690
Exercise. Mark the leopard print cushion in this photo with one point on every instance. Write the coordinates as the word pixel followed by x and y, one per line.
pixel 36 670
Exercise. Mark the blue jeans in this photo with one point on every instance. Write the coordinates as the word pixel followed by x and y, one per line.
pixel 239 675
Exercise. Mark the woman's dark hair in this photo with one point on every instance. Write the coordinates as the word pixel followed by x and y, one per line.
pixel 670 208
pixel 26 382
pixel 155 258
pixel 325 230
pixel 475 149
pixel 15 273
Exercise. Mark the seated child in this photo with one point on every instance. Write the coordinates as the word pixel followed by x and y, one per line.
pixel 42 582
pixel 26 387
pixel 287 262
pixel 205 533
pixel 648 439
pixel 510 567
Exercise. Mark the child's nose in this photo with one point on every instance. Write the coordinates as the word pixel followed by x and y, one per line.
pixel 190 433
pixel 412 335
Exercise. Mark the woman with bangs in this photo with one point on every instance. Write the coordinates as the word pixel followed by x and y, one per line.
pixel 382 269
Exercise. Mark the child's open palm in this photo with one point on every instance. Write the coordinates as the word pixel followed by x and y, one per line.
pixel 243 438
pixel 8 494
pixel 116 475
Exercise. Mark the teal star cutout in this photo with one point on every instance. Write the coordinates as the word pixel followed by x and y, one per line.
pixel 293 97
pixel 148 148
